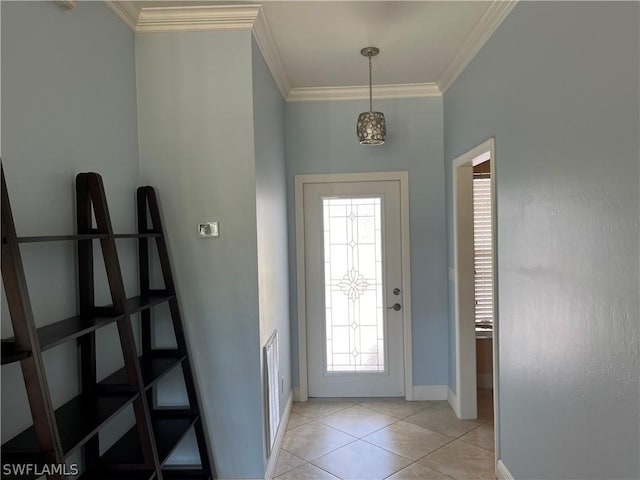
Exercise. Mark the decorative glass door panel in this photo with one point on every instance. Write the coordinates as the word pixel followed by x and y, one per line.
pixel 353 298
pixel 353 284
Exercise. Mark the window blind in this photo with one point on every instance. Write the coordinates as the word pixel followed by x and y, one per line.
pixel 482 251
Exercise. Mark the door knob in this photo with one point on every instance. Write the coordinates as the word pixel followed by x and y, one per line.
pixel 395 306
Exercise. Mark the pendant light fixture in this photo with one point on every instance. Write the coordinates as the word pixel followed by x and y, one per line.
pixel 371 126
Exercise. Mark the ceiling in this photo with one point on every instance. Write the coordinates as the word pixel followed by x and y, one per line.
pixel 316 44
pixel 319 42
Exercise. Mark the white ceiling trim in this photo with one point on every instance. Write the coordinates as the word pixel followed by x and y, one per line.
pixel 188 17
pixel 210 18
pixel 407 90
pixel 486 27
pixel 125 12
pixel 252 17
pixel 197 18
pixel 264 39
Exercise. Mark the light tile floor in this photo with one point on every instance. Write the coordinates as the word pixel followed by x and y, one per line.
pixel 386 439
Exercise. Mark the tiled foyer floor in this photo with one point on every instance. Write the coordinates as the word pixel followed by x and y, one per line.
pixel 386 439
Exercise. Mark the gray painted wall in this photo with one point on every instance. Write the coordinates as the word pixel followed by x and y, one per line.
pixel 557 85
pixel 271 209
pixel 195 119
pixel 69 106
pixel 321 138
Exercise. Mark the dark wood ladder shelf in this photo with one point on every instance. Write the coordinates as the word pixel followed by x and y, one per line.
pixel 58 433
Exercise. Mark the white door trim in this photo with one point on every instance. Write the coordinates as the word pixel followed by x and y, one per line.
pixel 466 401
pixel 300 181
pixel 464 296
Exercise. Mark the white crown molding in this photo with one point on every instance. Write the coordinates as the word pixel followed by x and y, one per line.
pixel 407 90
pixel 197 18
pixel 264 39
pixel 186 18
pixel 208 18
pixel 125 12
pixel 486 27
pixel 251 17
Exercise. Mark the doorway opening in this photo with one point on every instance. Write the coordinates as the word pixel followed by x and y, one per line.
pixel 476 319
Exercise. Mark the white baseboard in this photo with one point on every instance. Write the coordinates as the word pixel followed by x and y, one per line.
pixel 452 398
pixel 297 397
pixel 282 428
pixel 502 473
pixel 429 392
pixel 485 381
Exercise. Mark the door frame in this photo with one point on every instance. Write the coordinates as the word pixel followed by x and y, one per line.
pixel 465 401
pixel 301 394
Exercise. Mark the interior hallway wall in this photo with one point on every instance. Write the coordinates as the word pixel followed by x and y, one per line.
pixel 557 86
pixel 321 138
pixel 271 217
pixel 195 99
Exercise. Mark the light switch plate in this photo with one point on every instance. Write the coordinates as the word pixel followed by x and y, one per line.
pixel 208 230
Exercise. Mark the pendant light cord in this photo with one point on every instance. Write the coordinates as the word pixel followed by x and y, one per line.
pixel 370 86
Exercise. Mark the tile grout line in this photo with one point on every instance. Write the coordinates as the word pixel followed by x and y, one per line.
pixel 356 438
pixel 362 438
pixel 459 437
pixel 294 455
pixel 363 404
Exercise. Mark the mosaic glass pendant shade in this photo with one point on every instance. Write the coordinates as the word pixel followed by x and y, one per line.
pixel 371 127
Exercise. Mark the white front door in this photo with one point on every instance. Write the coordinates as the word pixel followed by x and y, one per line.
pixel 354 298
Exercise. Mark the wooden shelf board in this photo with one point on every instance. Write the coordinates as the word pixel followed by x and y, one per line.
pixel 138 235
pixel 62 238
pixel 10 352
pixel 152 367
pixel 86 236
pixel 81 418
pixel 168 433
pixel 78 420
pixel 139 303
pixel 57 333
pixel 126 452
